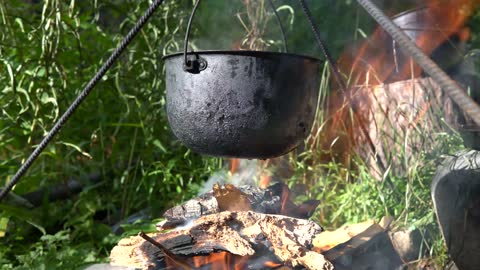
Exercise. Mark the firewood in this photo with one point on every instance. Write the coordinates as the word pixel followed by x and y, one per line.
pixel 239 233
pixel 330 239
pixel 276 199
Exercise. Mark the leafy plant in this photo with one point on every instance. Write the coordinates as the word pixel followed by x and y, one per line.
pixel 48 51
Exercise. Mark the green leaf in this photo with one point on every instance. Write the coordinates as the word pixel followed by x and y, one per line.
pixel 20 23
pixel 158 144
pixel 77 148
pixel 22 214
pixel 3 226
pixel 10 74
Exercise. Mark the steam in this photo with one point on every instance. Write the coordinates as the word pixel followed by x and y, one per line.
pixel 246 174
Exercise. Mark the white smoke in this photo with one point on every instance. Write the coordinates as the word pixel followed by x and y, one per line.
pixel 246 174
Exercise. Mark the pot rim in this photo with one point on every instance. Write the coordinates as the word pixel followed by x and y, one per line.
pixel 245 53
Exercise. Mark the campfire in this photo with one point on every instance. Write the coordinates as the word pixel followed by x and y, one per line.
pixel 259 229
pixel 379 120
pixel 231 228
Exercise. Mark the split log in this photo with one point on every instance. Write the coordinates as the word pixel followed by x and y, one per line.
pixel 330 239
pixel 239 233
pixel 276 199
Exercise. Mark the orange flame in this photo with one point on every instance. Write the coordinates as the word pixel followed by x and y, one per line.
pixel 271 264
pixel 221 261
pixel 264 181
pixel 285 199
pixel 234 163
pixel 429 26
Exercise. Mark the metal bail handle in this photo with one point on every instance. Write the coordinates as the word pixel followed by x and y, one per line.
pixel 194 63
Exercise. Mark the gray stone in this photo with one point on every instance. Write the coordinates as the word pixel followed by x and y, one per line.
pixel 407 244
pixel 456 197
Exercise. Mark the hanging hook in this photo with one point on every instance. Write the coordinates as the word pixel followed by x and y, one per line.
pixel 335 70
pixel 196 64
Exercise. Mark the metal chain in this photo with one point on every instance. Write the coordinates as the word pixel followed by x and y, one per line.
pixel 186 63
pixel 456 93
pixel 285 47
pixel 81 97
pixel 335 71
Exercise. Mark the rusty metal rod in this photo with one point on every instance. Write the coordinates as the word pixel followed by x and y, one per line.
pixel 453 90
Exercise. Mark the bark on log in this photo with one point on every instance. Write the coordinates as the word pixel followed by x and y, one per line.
pixel 239 233
pixel 276 199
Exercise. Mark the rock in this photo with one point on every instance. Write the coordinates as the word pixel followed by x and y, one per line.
pixel 456 197
pixel 407 244
pixel 369 250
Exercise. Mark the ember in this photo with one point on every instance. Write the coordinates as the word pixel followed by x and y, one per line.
pixel 226 261
pixel 217 261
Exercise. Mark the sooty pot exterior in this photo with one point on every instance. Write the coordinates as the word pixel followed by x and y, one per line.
pixel 245 104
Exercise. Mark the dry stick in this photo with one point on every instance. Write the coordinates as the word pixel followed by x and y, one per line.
pixel 175 260
pixel 453 90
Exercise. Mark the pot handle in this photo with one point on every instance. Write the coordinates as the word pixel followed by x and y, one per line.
pixel 192 66
pixel 198 64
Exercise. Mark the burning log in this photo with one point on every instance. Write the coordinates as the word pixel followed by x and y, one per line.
pixel 402 117
pixel 389 109
pixel 276 199
pixel 247 234
pixel 234 237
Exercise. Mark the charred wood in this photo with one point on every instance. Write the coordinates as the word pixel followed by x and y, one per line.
pixel 239 233
pixel 276 199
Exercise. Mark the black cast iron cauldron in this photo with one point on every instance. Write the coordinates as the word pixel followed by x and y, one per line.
pixel 247 104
